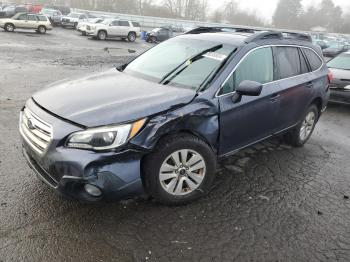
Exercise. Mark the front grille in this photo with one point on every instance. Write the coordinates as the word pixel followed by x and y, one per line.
pixel 36 132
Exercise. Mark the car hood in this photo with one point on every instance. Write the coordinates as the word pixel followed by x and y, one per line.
pixel 110 97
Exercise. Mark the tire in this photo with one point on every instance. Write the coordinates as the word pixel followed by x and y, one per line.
pixel 42 30
pixel 298 136
pixel 132 37
pixel 153 39
pixel 9 27
pixel 182 186
pixel 75 26
pixel 102 35
pixel 83 33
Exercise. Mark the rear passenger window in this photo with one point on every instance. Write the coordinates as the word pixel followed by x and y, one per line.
pixel 123 23
pixel 314 60
pixel 136 24
pixel 32 18
pixel 288 62
pixel 257 66
pixel 42 18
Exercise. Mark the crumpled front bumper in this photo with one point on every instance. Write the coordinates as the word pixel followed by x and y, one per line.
pixel 67 170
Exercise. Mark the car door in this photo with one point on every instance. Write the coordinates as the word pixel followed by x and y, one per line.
pixel 21 21
pixel 252 118
pixel 295 85
pixel 32 21
pixel 113 28
pixel 124 28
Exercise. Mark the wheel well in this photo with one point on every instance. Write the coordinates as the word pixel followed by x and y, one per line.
pixel 132 32
pixel 42 26
pixel 10 24
pixel 102 30
pixel 318 102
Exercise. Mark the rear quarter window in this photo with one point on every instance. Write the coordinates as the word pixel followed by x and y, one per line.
pixel 42 18
pixel 314 60
pixel 136 24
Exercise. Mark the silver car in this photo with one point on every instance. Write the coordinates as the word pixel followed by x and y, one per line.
pixel 55 16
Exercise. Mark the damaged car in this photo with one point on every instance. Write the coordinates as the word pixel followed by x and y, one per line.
pixel 158 126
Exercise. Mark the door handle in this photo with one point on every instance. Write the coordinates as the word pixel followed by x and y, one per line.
pixel 309 85
pixel 274 97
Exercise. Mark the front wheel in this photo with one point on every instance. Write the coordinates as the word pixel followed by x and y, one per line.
pixel 102 35
pixel 302 133
pixel 9 28
pixel 180 170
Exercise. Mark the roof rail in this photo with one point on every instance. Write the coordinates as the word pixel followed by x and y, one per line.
pixel 264 35
pixel 216 29
pixel 299 36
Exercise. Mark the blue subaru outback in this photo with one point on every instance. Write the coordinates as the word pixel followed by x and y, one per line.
pixel 158 124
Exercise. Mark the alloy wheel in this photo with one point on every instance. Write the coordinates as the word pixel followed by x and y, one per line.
pixel 307 126
pixel 182 172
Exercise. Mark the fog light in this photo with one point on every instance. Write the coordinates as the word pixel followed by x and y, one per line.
pixel 92 190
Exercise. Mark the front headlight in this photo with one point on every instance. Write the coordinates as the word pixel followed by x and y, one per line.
pixel 103 138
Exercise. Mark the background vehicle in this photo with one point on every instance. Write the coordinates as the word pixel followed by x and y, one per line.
pixel 55 16
pixel 81 27
pixel 334 49
pixel 159 35
pixel 65 10
pixel 39 23
pixel 114 28
pixel 321 44
pixel 11 10
pixel 340 84
pixel 72 19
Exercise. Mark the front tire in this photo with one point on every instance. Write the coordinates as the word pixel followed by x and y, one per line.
pixel 9 27
pixel 180 170
pixel 102 35
pixel 302 132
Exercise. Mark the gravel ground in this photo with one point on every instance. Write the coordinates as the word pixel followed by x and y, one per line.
pixel 269 203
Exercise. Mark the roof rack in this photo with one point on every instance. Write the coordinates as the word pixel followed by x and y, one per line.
pixel 216 29
pixel 257 33
pixel 264 35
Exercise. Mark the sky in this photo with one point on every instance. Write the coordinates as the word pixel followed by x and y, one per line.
pixel 266 8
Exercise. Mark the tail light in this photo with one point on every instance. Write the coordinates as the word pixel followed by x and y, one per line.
pixel 330 76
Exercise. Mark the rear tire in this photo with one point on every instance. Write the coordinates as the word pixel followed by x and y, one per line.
pixel 9 27
pixel 102 35
pixel 132 37
pixel 299 135
pixel 191 170
pixel 42 30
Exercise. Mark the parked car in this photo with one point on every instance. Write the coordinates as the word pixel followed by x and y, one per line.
pixel 11 10
pixel 159 123
pixel 55 16
pixel 159 35
pixel 321 43
pixel 112 28
pixel 340 85
pixel 34 8
pixel 65 10
pixel 73 19
pixel 39 23
pixel 335 49
pixel 82 25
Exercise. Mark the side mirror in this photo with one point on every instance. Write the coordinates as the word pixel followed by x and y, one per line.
pixel 247 88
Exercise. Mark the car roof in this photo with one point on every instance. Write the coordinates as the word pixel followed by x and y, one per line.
pixel 237 39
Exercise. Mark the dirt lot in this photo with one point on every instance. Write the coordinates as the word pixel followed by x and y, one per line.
pixel 269 203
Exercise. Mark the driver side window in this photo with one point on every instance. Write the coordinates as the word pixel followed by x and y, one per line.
pixel 257 66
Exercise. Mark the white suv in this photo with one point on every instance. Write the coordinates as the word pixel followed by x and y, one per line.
pixel 26 21
pixel 114 28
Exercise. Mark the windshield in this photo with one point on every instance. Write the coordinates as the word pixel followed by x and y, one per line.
pixel 175 62
pixel 340 62
pixel 74 15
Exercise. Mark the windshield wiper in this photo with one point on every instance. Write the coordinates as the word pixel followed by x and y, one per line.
pixel 177 70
